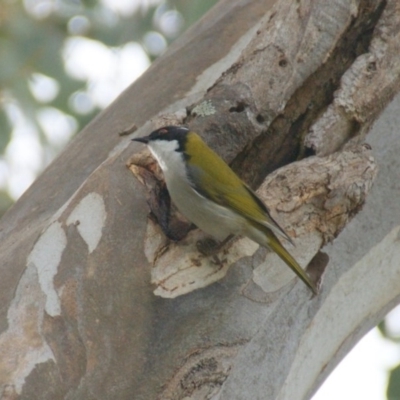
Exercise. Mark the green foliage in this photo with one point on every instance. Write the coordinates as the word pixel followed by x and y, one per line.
pixel 393 390
pixel 5 131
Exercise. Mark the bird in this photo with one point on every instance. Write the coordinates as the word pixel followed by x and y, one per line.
pixel 210 195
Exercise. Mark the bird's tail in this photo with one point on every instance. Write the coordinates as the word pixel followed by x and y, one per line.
pixel 274 244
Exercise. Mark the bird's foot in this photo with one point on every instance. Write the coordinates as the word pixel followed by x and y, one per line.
pixel 210 247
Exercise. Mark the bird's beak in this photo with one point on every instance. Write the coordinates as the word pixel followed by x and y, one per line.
pixel 144 139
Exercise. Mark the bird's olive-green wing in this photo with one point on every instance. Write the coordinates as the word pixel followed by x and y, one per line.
pixel 207 170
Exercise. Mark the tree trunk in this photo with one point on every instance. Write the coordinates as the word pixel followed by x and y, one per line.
pixel 97 303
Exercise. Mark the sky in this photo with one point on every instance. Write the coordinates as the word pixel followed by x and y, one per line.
pixel 363 372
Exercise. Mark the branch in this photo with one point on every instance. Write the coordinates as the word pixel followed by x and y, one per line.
pixel 78 317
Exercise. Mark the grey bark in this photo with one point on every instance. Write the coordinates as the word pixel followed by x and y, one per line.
pixel 88 279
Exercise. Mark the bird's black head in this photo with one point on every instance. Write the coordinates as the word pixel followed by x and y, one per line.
pixel 168 133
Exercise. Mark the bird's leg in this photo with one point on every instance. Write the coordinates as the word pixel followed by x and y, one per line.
pixel 210 247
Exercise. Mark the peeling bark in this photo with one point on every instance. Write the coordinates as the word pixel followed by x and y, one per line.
pixel 288 85
pixel 365 89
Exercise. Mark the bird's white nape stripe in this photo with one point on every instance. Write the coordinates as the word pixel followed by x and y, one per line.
pixel 164 151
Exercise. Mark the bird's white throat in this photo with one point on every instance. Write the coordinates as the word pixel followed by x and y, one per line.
pixel 164 151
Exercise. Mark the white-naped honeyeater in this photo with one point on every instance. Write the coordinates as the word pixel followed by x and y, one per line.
pixel 208 193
